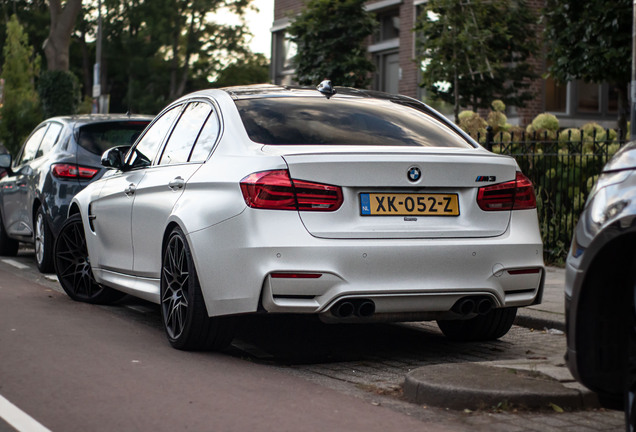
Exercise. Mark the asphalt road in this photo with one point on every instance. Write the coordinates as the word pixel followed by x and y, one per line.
pixel 76 367
pixel 67 366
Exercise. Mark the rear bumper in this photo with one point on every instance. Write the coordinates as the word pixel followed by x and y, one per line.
pixel 235 261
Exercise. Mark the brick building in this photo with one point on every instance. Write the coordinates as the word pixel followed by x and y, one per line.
pixel 393 52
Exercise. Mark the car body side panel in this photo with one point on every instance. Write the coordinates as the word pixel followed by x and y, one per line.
pixel 112 209
pixel 153 204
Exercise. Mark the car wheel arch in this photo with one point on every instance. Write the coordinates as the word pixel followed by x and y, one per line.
pixel 73 209
pixel 602 373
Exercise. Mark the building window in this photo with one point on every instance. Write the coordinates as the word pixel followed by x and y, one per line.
pixel 555 96
pixel 283 53
pixel 389 25
pixel 588 100
pixel 385 50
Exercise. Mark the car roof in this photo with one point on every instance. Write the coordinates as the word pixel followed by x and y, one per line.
pixel 270 90
pixel 81 119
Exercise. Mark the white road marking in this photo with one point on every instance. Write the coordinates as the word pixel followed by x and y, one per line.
pixel 15 264
pixel 51 277
pixel 17 418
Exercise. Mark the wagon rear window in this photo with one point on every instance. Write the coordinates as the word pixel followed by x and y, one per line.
pixel 342 121
pixel 99 137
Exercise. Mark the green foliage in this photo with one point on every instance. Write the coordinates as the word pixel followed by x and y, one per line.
pixel 477 50
pixel 34 17
pixel 498 105
pixel 563 172
pixel 155 51
pixel 473 124
pixel 253 70
pixel 330 37
pixel 21 110
pixel 591 40
pixel 544 126
pixel 59 92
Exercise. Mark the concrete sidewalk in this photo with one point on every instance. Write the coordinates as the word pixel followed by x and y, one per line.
pixel 531 382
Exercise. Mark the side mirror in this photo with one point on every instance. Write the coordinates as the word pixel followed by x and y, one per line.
pixel 5 161
pixel 114 158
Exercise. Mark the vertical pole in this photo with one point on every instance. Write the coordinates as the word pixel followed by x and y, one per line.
pixel 632 128
pixel 97 88
pixel 490 136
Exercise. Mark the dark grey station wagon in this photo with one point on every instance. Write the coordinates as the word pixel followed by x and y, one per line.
pixel 60 157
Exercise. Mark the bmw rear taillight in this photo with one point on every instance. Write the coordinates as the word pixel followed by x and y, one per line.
pixel 275 190
pixel 517 194
pixel 72 171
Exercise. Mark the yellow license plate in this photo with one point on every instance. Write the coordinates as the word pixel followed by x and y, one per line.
pixel 400 204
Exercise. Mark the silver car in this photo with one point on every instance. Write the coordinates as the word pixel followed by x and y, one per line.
pixel 600 288
pixel 353 205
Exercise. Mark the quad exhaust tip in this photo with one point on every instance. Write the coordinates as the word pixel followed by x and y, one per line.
pixel 473 305
pixel 361 308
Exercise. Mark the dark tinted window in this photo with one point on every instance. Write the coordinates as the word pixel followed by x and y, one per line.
pixel 342 121
pixel 99 137
pixel 185 133
pixel 146 150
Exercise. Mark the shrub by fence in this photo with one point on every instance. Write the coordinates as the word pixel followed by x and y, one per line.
pixel 563 167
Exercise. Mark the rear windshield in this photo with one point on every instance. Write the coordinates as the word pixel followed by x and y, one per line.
pixel 99 137
pixel 342 121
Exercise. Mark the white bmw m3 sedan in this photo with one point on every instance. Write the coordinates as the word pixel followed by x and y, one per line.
pixel 353 205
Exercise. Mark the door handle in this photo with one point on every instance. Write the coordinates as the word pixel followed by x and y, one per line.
pixel 130 190
pixel 176 183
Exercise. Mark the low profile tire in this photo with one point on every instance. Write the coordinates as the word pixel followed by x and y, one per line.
pixel 73 268
pixel 490 326
pixel 183 312
pixel 43 243
pixel 8 246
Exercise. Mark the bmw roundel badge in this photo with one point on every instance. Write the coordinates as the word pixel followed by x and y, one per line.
pixel 414 174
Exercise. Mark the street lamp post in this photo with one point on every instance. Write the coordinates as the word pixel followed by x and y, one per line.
pixel 97 88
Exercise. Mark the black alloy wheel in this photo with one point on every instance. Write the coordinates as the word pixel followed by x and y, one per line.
pixel 72 265
pixel 183 312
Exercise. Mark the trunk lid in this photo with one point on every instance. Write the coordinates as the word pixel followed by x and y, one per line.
pixel 447 190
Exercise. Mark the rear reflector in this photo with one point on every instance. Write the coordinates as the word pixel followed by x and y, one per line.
pixel 295 275
pixel 72 171
pixel 525 271
pixel 517 194
pixel 275 190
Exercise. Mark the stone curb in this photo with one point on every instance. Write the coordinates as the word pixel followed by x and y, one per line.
pixel 475 386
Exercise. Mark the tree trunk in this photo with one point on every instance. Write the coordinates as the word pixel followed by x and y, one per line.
pixel 87 77
pixel 623 103
pixel 56 46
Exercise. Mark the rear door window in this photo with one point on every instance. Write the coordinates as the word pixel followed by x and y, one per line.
pixel 185 133
pixel 50 138
pixel 207 138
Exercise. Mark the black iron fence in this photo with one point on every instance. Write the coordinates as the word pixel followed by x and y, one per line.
pixel 563 168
